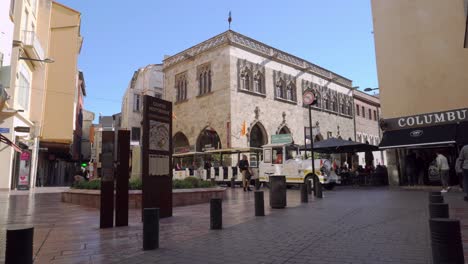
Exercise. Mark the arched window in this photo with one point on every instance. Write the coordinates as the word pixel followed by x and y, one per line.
pixel 209 81
pixel 258 83
pixel 327 104
pixel 245 80
pixel 200 84
pixel 319 99
pixel 335 104
pixel 205 81
pixel 181 86
pixel 350 109
pixel 280 88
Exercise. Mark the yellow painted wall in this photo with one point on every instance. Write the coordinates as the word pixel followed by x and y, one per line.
pixel 65 43
pixel 422 65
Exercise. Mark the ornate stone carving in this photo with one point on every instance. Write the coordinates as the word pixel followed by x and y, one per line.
pixel 251 76
pixel 234 38
pixel 285 86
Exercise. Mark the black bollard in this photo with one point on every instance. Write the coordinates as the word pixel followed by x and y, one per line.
pixel 438 210
pixel 278 198
pixel 446 241
pixel 216 213
pixel 19 246
pixel 233 183
pixel 150 228
pixel 309 186
pixel 318 188
pixel 436 199
pixel 434 193
pixel 259 204
pixel 304 195
pixel 257 184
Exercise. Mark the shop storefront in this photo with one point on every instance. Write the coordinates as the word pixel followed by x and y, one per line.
pixel 423 136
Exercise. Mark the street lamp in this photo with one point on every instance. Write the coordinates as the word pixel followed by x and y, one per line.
pixel 46 60
pixel 370 89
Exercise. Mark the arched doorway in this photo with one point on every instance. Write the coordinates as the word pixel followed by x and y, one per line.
pixel 284 130
pixel 208 139
pixel 258 136
pixel 180 143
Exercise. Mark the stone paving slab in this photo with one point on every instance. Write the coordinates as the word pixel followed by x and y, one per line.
pixel 350 225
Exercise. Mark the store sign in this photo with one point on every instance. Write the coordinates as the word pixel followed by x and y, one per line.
pixel 24 171
pixel 416 133
pixel 281 139
pixel 430 119
pixel 22 129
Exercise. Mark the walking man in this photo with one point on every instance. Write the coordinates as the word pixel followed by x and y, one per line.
pixel 463 157
pixel 443 168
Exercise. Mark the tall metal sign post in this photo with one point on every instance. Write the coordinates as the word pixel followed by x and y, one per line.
pixel 157 155
pixel 308 98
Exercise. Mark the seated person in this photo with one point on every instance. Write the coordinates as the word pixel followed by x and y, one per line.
pixel 279 159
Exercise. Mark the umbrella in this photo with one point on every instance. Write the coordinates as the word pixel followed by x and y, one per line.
pixel 336 145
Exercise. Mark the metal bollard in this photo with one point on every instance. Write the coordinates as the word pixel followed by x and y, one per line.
pixel 259 204
pixel 216 213
pixel 436 199
pixel 304 195
pixel 233 183
pixel 438 210
pixel 19 246
pixel 257 184
pixel 318 188
pixel 150 228
pixel 446 241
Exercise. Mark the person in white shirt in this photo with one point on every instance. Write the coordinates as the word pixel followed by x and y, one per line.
pixel 443 167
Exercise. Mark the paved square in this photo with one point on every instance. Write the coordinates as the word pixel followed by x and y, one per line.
pixel 367 225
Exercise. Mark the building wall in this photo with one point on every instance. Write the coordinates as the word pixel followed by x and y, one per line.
pixel 6 36
pixel 61 97
pixel 88 118
pixel 148 80
pixel 421 62
pixel 209 110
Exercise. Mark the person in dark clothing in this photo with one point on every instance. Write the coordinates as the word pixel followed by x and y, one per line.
pixel 420 170
pixel 410 167
pixel 244 169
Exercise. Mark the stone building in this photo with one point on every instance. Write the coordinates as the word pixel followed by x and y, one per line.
pixel 232 91
pixel 146 80
pixel 367 109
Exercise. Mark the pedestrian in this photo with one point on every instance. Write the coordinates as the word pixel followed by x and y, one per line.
pixel 420 170
pixel 443 168
pixel 410 167
pixel 463 157
pixel 244 169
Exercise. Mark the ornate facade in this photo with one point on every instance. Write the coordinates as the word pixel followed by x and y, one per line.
pixel 251 92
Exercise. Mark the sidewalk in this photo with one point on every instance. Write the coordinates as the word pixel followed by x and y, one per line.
pixel 361 225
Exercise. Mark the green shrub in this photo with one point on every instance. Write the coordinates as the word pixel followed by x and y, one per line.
pixel 193 181
pixel 88 185
pixel 135 184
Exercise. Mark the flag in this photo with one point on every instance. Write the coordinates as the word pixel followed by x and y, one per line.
pixel 244 129
pixel 174 116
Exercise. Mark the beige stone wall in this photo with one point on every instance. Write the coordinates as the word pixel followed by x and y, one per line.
pixel 421 62
pixel 198 112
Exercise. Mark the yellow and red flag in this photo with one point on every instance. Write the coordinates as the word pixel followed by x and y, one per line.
pixel 244 129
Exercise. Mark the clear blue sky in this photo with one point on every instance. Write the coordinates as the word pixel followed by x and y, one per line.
pixel 121 36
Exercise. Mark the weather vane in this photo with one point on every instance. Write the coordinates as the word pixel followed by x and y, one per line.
pixel 229 20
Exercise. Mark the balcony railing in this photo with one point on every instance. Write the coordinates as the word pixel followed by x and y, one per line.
pixel 30 41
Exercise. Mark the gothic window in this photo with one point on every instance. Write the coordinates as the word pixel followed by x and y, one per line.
pixel 181 87
pixel 335 104
pixel 258 83
pixel 319 99
pixel 343 109
pixel 357 109
pixel 204 79
pixel 290 92
pixel 280 93
pixel 326 103
pixel 245 79
pixel 350 109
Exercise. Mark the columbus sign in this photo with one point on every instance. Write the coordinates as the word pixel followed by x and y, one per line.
pixel 430 119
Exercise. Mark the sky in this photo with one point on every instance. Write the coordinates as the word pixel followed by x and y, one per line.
pixel 122 36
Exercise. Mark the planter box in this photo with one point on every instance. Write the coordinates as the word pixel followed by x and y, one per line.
pixel 180 197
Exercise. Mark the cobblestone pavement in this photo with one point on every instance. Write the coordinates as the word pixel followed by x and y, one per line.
pixel 362 225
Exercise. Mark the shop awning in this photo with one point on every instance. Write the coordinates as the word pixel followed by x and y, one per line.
pixel 5 140
pixel 423 136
